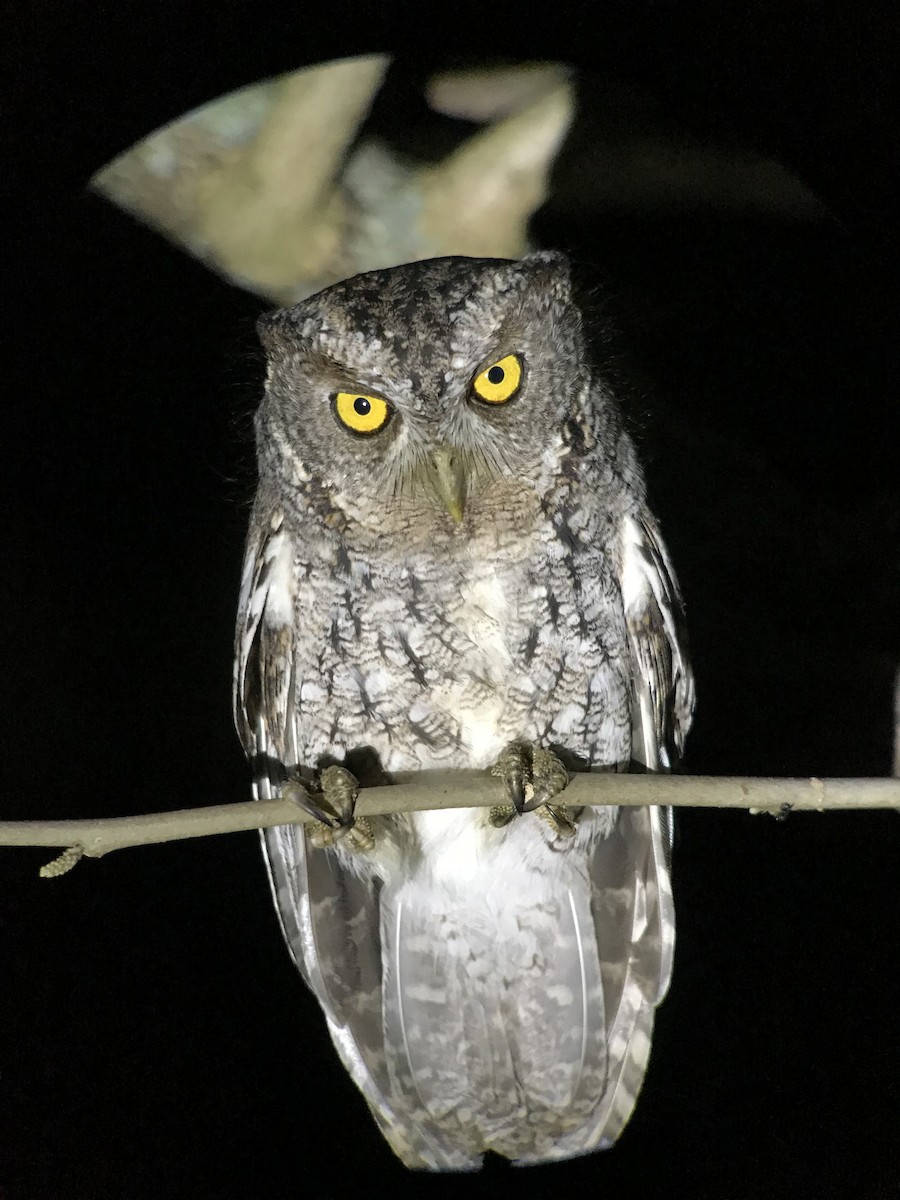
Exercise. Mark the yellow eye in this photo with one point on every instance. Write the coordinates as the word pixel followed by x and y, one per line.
pixel 499 382
pixel 361 413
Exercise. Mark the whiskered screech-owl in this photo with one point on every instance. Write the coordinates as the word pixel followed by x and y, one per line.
pixel 451 564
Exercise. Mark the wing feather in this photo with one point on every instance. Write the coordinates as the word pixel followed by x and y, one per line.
pixel 329 914
pixel 633 911
pixel 664 684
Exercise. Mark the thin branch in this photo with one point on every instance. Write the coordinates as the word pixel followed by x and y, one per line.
pixel 430 790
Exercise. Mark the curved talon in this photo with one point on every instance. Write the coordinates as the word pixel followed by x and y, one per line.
pixel 339 793
pixel 533 777
pixel 561 820
pixel 333 806
pixel 514 768
pixel 516 788
pixel 549 778
pixel 312 801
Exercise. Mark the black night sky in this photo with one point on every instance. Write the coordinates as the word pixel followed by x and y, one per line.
pixel 154 1037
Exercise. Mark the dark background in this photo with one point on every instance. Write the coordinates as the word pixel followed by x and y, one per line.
pixel 154 1039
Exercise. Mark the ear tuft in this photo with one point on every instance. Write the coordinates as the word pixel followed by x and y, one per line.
pixel 556 270
pixel 267 328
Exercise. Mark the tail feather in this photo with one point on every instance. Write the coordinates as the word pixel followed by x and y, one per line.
pixel 554 1001
pixel 632 931
pixel 516 1020
pixel 444 1033
pixel 330 918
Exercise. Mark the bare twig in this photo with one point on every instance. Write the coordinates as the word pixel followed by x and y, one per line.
pixel 449 789
pixel 276 187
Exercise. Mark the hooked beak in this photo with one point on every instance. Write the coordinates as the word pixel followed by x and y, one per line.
pixel 447 474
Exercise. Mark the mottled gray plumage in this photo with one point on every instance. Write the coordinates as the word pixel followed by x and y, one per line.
pixel 486 987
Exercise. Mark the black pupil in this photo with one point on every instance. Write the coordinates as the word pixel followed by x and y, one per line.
pixel 362 406
pixel 496 375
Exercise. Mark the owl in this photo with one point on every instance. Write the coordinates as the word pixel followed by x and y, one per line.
pixel 451 564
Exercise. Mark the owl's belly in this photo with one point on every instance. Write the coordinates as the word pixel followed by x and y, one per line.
pixel 459 849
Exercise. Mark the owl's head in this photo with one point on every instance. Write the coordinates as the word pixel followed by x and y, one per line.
pixel 432 388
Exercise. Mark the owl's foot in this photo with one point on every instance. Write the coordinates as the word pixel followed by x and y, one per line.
pixel 358 836
pixel 332 805
pixel 562 821
pixel 533 777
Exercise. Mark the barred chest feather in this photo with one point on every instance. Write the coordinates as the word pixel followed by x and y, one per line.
pixel 441 664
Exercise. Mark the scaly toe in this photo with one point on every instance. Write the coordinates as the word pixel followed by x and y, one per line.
pixel 332 805
pixel 548 775
pixel 500 815
pixel 339 792
pixel 563 821
pixel 319 835
pixel 358 837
